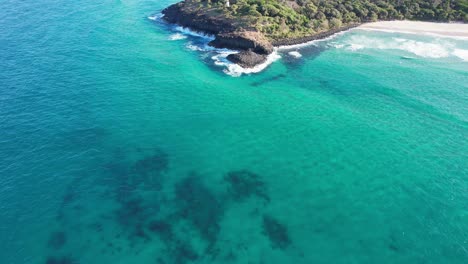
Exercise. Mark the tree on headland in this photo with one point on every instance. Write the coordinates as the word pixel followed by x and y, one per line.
pixel 295 18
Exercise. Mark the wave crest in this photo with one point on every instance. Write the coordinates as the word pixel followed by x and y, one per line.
pixel 435 49
pixel 236 70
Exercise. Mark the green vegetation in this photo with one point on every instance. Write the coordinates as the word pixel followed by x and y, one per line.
pixel 296 18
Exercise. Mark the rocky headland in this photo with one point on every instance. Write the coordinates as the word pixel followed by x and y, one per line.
pixel 255 27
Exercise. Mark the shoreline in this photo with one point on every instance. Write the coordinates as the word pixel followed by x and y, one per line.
pixel 244 33
pixel 246 63
pixel 454 30
pixel 318 36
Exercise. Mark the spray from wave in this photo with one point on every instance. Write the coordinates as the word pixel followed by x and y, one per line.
pixel 199 43
pixel 295 54
pixel 155 17
pixel 236 70
pixel 461 53
pixel 431 34
pixel 177 36
pixel 189 32
pixel 313 42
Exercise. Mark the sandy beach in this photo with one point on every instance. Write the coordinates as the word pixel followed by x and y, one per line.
pixel 443 29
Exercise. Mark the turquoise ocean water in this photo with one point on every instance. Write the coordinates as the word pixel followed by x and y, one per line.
pixel 124 140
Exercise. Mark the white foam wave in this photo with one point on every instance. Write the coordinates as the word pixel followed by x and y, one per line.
pixel 354 47
pixel 193 47
pixel 436 49
pixel 400 39
pixel 313 42
pixel 236 70
pixel 205 47
pixel 461 53
pixel 177 36
pixel 189 32
pixel 155 17
pixel 295 54
pixel 432 34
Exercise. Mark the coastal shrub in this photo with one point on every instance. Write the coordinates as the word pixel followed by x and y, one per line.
pixel 335 23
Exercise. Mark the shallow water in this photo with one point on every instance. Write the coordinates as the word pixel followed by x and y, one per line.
pixel 121 144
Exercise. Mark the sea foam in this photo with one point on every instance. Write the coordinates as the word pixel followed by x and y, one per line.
pixel 155 17
pixel 219 56
pixel 177 36
pixel 189 32
pixel 435 49
pixel 431 34
pixel 313 42
pixel 295 54
pixel 236 70
pixel 461 53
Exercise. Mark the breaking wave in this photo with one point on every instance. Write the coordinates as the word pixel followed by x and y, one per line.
pixel 236 70
pixel 218 56
pixel 295 54
pixel 177 36
pixel 155 17
pixel 434 49
pixel 189 32
pixel 461 53
pixel 432 34
pixel 314 42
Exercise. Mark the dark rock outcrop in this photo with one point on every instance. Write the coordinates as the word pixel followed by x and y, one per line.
pixel 243 40
pixel 247 58
pixel 228 33
pixel 186 16
pixel 233 34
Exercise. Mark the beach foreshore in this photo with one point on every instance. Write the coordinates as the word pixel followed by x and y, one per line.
pixel 418 27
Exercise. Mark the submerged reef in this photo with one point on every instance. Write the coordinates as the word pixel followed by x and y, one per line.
pixel 200 206
pixel 183 253
pixel 276 232
pixel 132 215
pixel 149 169
pixel 244 184
pixel 61 260
pixel 163 229
pixel 184 217
pixel 57 240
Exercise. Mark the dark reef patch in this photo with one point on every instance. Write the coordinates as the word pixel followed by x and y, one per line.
pixel 126 176
pixel 61 260
pixel 162 228
pixel 184 253
pixel 149 169
pixel 126 179
pixel 132 215
pixel 200 206
pixel 244 184
pixel 267 80
pixel 83 137
pixel 130 211
pixel 276 232
pixel 70 196
pixel 57 240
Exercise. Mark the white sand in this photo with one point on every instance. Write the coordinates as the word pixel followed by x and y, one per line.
pixel 443 29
